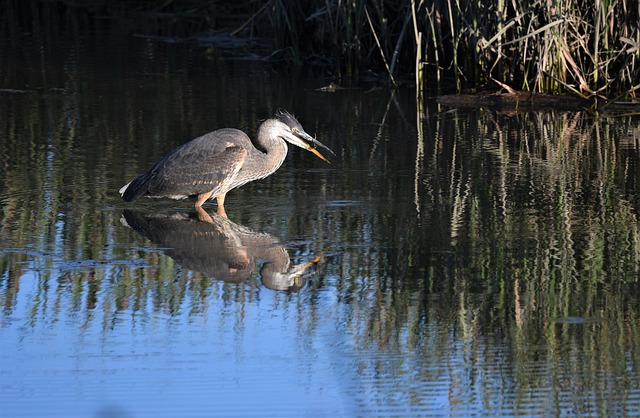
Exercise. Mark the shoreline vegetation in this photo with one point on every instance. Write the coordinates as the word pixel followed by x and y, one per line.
pixel 590 52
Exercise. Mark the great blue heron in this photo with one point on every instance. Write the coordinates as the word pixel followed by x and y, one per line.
pixel 211 165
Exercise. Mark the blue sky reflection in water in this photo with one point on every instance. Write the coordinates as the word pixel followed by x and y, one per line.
pixel 459 263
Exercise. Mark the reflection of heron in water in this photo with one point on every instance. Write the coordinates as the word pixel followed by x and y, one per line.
pixel 213 164
pixel 217 247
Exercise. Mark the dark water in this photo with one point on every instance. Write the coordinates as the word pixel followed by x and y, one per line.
pixel 446 262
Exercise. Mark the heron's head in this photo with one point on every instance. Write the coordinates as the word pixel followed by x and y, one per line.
pixel 291 131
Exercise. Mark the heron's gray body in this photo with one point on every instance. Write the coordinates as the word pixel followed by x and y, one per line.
pixel 211 165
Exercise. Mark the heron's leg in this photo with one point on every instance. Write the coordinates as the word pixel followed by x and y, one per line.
pixel 203 198
pixel 221 210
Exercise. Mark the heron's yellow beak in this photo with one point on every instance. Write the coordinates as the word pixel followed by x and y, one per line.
pixel 311 144
pixel 316 152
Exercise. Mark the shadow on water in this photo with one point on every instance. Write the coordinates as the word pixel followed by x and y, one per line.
pixel 219 248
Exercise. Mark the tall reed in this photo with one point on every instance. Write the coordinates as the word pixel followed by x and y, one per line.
pixel 538 45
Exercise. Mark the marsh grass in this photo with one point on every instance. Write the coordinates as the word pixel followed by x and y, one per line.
pixel 538 45
pixel 542 46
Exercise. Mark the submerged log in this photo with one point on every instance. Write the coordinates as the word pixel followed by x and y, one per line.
pixel 533 101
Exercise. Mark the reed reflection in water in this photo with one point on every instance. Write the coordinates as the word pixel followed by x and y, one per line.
pixel 472 262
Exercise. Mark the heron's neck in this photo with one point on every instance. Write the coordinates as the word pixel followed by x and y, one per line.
pixel 268 155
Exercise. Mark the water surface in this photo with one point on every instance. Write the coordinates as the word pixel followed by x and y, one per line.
pixel 446 262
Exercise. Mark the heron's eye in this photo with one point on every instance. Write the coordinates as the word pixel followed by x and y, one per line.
pixel 293 130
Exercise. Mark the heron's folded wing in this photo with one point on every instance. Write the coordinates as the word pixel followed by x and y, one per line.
pixel 196 170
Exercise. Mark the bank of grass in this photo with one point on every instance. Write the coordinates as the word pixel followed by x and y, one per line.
pixel 587 48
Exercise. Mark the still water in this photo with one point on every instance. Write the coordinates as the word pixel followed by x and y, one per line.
pixel 446 263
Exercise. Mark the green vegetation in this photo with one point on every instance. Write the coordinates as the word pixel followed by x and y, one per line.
pixel 592 50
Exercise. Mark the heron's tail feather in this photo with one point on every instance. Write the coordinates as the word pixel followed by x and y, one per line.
pixel 123 189
pixel 138 187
